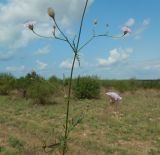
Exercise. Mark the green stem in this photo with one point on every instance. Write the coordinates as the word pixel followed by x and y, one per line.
pixel 49 37
pixel 65 37
pixel 81 24
pixel 75 50
pixel 68 104
pixel 99 35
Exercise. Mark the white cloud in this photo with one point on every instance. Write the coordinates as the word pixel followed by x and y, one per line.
pixel 115 56
pixel 67 64
pixel 15 68
pixel 151 65
pixel 146 22
pixel 41 65
pixel 144 25
pixel 43 51
pixel 130 22
pixel 6 55
pixel 136 34
pixel 14 13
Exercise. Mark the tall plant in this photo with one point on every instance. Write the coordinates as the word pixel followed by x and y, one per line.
pixel 74 44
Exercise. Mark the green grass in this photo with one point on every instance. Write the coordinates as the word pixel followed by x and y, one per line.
pixel 134 130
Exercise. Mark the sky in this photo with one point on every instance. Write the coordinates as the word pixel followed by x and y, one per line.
pixel 136 55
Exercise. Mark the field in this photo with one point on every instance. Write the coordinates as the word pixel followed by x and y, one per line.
pixel 131 129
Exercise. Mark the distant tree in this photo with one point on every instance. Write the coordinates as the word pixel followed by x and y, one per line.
pixel 87 87
pixel 7 83
pixel 23 83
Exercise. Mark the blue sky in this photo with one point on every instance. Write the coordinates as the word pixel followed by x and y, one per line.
pixel 135 56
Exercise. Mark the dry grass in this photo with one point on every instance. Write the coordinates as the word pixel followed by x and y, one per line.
pixel 134 130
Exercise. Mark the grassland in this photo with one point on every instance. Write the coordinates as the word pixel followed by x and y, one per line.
pixel 133 130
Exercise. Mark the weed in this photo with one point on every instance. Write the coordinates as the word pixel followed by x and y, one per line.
pixel 15 142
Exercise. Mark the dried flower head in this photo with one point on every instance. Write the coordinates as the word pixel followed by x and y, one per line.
pixel 30 25
pixel 51 12
pixel 126 30
pixel 95 22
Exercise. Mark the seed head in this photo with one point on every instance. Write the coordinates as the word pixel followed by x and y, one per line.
pixel 95 22
pixel 51 13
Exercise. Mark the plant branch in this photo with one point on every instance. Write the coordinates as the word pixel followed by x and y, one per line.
pixel 49 37
pixel 106 35
pixel 59 38
pixel 86 43
pixel 39 35
pixel 62 33
pixel 80 29
pixel 99 35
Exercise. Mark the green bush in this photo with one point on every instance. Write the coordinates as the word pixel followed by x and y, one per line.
pixel 87 87
pixel 55 81
pixel 7 83
pixel 23 83
pixel 130 85
pixel 40 91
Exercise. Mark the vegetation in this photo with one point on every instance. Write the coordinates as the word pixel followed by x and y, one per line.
pixel 135 129
pixel 41 90
pixel 26 127
pixel 7 83
pixel 131 85
pixel 87 87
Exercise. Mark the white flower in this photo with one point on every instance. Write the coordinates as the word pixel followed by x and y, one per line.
pixel 30 25
pixel 126 30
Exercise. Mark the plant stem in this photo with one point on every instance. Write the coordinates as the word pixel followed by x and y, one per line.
pixel 81 24
pixel 75 50
pixel 68 103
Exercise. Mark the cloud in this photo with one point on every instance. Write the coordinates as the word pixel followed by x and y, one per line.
pixel 130 22
pixel 43 51
pixel 148 65
pixel 136 34
pixel 14 13
pixel 41 65
pixel 67 64
pixel 115 56
pixel 146 22
pixel 6 56
pixel 15 68
pixel 144 25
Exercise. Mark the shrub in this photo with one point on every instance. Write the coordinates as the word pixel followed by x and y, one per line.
pixel 87 87
pixel 40 91
pixel 23 83
pixel 55 81
pixel 7 83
